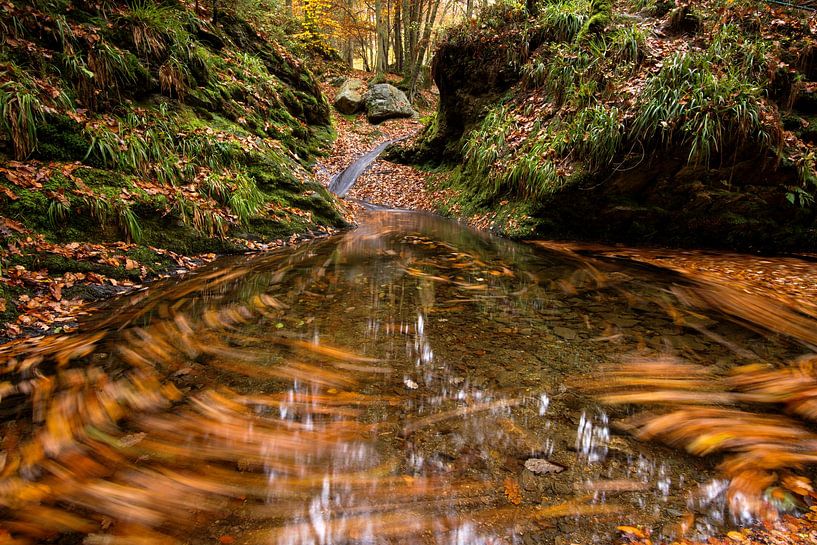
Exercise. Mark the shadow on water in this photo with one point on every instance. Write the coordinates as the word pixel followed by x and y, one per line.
pixel 411 381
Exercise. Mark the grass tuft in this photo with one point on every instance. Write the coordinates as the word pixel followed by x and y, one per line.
pixel 692 102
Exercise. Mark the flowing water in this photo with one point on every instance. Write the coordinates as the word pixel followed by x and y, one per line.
pixel 387 385
pixel 411 381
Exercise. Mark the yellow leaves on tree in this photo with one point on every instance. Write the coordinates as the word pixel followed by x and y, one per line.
pixel 318 24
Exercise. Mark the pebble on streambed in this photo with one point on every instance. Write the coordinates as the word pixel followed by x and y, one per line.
pixel 540 466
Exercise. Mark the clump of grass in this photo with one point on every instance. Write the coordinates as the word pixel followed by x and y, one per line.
pixel 486 147
pixel 174 78
pixel 534 73
pixel 744 57
pixel 628 45
pixel 127 221
pixel 596 135
pixel 155 29
pixel 493 166
pixel 569 68
pixel 691 102
pixel 532 173
pixel 99 78
pixel 64 33
pixel 216 187
pixel 245 199
pixel 24 102
pixel 20 111
pixel 205 221
pixel 106 210
pixel 139 145
pixel 57 213
pixel 99 208
pixel 562 21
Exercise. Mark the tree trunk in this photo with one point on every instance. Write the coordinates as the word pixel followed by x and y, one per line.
pixel 405 11
pixel 348 45
pixel 422 47
pixel 215 11
pixel 381 61
pixel 398 37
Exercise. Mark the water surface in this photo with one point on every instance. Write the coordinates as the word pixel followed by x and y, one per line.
pixel 394 384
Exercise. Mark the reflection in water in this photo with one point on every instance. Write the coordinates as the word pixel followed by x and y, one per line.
pixel 408 382
pixel 593 436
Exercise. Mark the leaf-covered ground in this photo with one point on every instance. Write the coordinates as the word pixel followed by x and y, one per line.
pixel 385 182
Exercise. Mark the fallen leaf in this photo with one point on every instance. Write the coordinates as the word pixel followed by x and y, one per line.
pixel 512 491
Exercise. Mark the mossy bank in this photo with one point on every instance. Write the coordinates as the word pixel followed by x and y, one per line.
pixel 148 123
pixel 644 122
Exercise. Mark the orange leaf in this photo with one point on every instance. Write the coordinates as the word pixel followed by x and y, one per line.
pixel 512 491
pixel 632 530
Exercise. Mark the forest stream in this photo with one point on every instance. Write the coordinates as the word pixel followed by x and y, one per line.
pixel 410 381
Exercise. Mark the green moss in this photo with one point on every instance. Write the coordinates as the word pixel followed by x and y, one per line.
pixel 61 139
pixel 137 73
pixel 30 208
pixel 172 235
pixel 96 178
pixel 9 293
pixel 155 262
pixel 56 182
pixel 57 264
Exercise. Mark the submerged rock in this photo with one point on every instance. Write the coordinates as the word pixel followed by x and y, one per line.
pixel 349 100
pixel 565 333
pixel 540 466
pixel 384 101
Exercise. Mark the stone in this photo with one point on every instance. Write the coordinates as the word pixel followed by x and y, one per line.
pixel 349 100
pixel 540 466
pixel 385 101
pixel 565 333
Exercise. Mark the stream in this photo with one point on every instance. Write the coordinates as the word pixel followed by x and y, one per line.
pixel 411 381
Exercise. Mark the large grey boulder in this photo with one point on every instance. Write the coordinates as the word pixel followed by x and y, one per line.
pixel 384 101
pixel 349 100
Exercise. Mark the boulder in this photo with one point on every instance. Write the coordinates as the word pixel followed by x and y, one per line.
pixel 349 100
pixel 384 101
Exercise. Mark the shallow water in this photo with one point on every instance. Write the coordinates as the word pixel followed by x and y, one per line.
pixel 387 385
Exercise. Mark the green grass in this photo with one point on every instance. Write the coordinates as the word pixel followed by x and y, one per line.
pixel 155 29
pixel 693 102
pixel 20 111
pixel 562 21
pixel 628 45
pixel 245 199
pixel 57 213
pixel 204 221
pixel 596 135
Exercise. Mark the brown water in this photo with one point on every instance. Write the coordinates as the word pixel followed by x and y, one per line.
pixel 393 384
